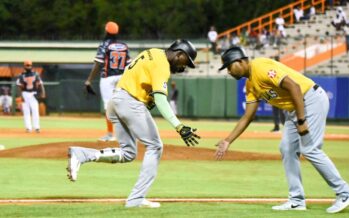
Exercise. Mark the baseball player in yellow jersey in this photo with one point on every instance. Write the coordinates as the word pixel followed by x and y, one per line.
pixel 142 86
pixel 307 106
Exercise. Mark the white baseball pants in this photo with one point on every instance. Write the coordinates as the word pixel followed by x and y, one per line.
pixel 30 108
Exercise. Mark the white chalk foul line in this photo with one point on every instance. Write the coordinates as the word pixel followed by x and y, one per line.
pixel 119 200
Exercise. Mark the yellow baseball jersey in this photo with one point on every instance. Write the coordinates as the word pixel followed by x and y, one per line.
pixel 147 74
pixel 264 83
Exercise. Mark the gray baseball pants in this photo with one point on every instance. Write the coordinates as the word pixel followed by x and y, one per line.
pixel 133 121
pixel 292 145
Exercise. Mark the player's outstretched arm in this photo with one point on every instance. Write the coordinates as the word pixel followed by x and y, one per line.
pixel 245 120
pixel 187 133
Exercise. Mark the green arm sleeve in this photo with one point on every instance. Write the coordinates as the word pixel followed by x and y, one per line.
pixel 165 109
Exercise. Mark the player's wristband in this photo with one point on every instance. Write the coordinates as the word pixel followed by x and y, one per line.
pixel 301 121
pixel 165 109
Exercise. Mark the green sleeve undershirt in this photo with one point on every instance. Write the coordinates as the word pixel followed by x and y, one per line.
pixel 165 109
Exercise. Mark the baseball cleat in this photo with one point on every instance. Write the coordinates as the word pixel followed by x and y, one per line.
pixel 289 206
pixel 37 130
pixel 146 204
pixel 107 138
pixel 340 204
pixel 73 164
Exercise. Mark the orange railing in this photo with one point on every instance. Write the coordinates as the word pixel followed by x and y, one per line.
pixel 313 51
pixel 267 21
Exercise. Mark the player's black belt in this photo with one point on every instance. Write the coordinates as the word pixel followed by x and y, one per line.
pixel 316 86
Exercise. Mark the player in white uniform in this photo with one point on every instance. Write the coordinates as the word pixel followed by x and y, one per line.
pixel 111 59
pixel 30 87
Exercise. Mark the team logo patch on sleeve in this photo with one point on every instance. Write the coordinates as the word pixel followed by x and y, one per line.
pixel 164 85
pixel 271 73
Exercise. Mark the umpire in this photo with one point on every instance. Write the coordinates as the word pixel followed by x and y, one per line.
pixel 307 106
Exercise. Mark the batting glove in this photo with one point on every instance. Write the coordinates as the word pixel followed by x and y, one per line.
pixel 150 105
pixel 89 90
pixel 188 135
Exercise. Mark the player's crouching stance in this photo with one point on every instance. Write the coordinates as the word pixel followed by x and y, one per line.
pixel 307 106
pixel 142 86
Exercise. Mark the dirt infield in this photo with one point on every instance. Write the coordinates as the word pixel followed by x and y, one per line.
pixel 171 152
pixel 167 200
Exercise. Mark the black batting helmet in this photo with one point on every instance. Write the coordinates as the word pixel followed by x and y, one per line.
pixel 234 53
pixel 187 47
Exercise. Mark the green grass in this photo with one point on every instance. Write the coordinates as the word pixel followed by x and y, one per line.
pixel 40 178
pixel 35 178
pixel 56 122
pixel 168 210
pixel 99 123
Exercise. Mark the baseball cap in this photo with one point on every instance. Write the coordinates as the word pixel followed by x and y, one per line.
pixel 112 28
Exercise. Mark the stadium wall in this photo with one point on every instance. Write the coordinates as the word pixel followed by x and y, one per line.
pixel 199 97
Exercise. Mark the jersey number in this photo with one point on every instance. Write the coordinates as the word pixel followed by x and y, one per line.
pixel 135 62
pixel 29 82
pixel 117 60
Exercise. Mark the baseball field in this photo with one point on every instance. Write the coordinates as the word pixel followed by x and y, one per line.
pixel 190 183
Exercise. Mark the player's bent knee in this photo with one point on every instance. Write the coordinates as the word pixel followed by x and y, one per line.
pixel 284 148
pixel 129 156
pixel 311 153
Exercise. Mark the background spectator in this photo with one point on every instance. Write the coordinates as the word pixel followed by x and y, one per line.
pixel 278 118
pixel 279 21
pixel 275 38
pixel 5 100
pixel 212 37
pixel 235 40
pixel 244 37
pixel 298 13
pixel 312 11
pixel 340 20
pixel 225 43
pixel 264 38
pixel 173 97
pixel 253 38
pixel 342 14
